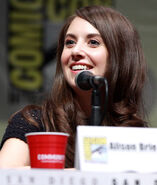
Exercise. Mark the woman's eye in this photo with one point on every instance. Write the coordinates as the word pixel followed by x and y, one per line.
pixel 94 43
pixel 69 42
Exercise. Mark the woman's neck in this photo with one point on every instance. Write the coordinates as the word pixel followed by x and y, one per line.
pixel 84 100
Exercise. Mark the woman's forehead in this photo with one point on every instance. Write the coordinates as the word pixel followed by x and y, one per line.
pixel 79 25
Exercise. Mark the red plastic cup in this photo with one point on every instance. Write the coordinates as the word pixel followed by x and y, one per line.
pixel 47 149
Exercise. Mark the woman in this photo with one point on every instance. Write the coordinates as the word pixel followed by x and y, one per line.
pixel 104 42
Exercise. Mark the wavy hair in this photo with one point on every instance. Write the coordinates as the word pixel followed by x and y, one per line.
pixel 126 73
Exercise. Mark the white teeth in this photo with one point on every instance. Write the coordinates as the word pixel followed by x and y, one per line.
pixel 79 67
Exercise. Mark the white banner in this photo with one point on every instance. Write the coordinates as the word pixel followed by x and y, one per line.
pixel 73 177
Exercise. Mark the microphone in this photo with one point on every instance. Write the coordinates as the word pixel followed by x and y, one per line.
pixel 85 80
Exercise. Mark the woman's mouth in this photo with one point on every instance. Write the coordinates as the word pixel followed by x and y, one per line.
pixel 80 67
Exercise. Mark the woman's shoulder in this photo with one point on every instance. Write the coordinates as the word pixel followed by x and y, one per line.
pixel 29 117
pixel 27 110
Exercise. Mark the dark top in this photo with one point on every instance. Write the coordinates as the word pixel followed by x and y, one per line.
pixel 19 126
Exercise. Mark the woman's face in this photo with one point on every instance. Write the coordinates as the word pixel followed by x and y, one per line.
pixel 84 49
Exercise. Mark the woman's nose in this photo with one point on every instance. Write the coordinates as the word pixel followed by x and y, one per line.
pixel 78 52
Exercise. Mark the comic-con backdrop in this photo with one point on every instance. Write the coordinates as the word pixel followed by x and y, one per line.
pixel 28 38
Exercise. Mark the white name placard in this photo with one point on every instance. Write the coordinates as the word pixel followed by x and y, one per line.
pixel 116 149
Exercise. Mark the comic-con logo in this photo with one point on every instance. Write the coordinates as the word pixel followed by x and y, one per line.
pixel 95 149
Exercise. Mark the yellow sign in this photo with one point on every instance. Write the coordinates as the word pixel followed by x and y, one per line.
pixel 95 149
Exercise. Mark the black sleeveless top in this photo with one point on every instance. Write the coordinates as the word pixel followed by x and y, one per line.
pixel 19 126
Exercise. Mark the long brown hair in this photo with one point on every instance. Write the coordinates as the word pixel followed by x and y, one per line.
pixel 126 73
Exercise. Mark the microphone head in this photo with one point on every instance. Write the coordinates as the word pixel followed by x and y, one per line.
pixel 82 80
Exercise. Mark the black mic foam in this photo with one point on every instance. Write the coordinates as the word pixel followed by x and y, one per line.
pixel 85 80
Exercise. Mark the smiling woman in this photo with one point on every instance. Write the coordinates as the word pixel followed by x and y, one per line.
pixel 103 42
pixel 83 49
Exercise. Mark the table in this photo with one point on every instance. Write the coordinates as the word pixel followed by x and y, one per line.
pixel 73 177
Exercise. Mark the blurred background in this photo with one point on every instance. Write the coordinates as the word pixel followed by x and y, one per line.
pixel 28 34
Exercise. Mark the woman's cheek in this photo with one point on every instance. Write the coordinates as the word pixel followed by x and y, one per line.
pixel 64 57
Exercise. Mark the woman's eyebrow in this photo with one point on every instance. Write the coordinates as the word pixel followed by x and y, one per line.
pixel 90 35
pixel 70 35
pixel 93 35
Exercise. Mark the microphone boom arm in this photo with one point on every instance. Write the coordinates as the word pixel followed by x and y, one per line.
pixel 85 80
pixel 97 115
pixel 96 112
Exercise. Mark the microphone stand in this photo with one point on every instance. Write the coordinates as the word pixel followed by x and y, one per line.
pixel 97 115
pixel 96 112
